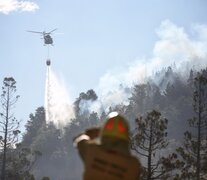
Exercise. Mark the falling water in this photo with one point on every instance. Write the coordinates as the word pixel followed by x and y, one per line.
pixel 58 106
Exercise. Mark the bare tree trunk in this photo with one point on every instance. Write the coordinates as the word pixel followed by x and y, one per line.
pixel 199 134
pixel 150 155
pixel 5 138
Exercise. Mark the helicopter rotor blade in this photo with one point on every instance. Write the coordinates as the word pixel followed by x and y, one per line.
pixel 35 32
pixel 52 31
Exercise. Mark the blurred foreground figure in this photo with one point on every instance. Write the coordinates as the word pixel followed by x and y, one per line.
pixel 110 159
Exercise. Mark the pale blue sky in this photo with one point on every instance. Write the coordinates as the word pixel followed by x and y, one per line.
pixel 97 36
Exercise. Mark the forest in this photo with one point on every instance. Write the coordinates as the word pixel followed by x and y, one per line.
pixel 168 131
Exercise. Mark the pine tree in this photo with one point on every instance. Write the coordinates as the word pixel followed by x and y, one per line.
pixel 90 95
pixel 148 139
pixel 34 125
pixel 8 122
pixel 145 97
pixel 194 150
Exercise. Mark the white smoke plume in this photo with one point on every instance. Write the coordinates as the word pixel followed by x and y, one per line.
pixel 7 6
pixel 175 46
pixel 185 49
pixel 58 105
pixel 178 46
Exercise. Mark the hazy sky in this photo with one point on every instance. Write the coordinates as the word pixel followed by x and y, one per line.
pixel 98 43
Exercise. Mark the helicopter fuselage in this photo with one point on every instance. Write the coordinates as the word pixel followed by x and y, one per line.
pixel 48 39
pixel 46 35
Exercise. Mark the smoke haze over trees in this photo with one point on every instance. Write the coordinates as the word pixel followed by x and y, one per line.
pixel 45 147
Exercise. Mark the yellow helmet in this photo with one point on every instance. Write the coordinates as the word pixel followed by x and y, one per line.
pixel 116 126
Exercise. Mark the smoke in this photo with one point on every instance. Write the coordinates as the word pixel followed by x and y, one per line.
pixel 184 50
pixel 59 109
pixel 179 47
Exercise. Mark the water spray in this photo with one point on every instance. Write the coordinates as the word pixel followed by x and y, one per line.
pixel 58 106
pixel 47 92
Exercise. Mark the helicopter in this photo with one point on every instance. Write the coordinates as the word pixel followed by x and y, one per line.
pixel 46 35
